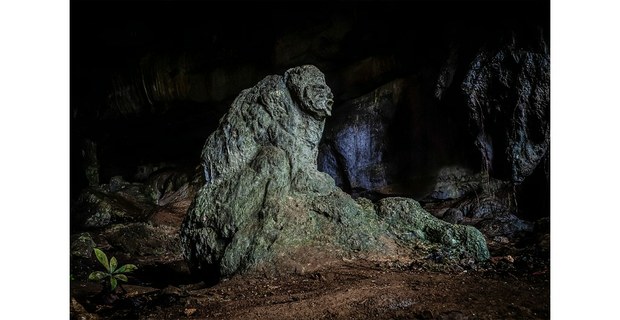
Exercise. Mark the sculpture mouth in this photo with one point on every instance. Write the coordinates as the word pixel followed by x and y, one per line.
pixel 328 107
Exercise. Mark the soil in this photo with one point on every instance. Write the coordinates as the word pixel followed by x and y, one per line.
pixel 350 290
pixel 513 284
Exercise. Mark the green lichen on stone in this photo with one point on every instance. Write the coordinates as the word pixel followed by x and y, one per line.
pixel 356 228
pixel 408 221
pixel 264 200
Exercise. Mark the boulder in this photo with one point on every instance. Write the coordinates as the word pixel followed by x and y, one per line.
pixel 454 182
pixel 78 312
pixel 407 221
pixel 487 203
pixel 265 205
pixel 143 239
pixel 82 245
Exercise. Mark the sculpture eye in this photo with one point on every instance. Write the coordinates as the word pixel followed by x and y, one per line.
pixel 320 91
pixel 319 88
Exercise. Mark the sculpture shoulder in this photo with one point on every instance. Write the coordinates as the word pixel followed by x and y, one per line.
pixel 247 126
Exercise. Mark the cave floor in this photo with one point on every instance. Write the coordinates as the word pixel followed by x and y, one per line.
pixel 350 290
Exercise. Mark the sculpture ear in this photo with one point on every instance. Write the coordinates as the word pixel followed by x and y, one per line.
pixel 287 77
pixel 291 80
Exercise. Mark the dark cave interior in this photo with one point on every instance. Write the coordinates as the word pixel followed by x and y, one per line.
pixel 124 53
pixel 446 102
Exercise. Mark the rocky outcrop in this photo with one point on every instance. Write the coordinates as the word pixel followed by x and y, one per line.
pixel 265 205
pixel 388 142
pixel 354 148
pixel 507 91
pixel 489 204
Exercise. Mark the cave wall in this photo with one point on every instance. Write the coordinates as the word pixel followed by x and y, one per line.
pixel 432 100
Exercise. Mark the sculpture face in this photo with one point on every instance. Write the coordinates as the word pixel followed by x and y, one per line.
pixel 307 83
pixel 319 99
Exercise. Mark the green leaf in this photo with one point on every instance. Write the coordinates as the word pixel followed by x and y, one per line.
pixel 126 268
pixel 113 264
pixel 97 275
pixel 121 277
pixel 103 259
pixel 113 283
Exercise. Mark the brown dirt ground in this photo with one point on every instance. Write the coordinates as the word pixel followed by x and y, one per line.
pixel 503 288
pixel 351 290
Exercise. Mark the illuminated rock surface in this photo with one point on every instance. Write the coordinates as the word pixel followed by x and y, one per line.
pixel 265 205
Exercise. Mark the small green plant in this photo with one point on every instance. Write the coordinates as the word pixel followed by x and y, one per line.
pixel 111 271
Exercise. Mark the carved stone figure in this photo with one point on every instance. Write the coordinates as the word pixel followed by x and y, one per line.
pixel 265 205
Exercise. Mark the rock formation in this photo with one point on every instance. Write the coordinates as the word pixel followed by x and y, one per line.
pixel 265 205
pixel 508 91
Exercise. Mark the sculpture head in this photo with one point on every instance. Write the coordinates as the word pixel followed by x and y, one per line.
pixel 307 84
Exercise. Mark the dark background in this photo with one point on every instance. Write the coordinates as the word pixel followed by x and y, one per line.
pixel 124 54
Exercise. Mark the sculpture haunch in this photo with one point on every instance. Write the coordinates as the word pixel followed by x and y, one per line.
pixel 265 205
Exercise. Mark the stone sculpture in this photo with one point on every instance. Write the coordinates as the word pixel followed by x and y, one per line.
pixel 265 205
